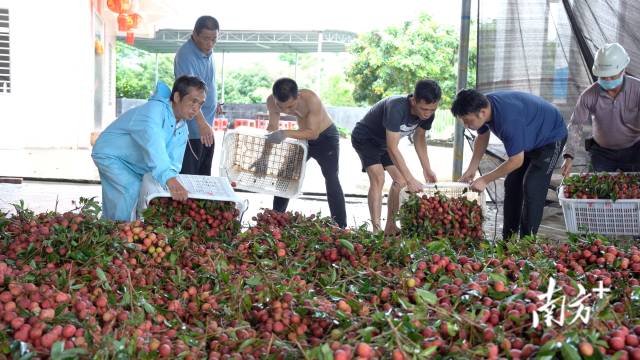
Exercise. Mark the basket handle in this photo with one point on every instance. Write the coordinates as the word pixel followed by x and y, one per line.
pixel 244 206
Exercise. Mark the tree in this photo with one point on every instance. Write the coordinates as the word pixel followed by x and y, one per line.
pixel 389 62
pixel 135 71
pixel 337 91
pixel 249 85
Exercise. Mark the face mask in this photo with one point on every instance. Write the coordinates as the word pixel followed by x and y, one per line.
pixel 610 84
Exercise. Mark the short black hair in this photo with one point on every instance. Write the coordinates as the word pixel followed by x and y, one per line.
pixel 468 101
pixel 428 91
pixel 184 83
pixel 285 89
pixel 206 22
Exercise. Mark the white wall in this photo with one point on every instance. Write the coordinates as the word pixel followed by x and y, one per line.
pixel 52 74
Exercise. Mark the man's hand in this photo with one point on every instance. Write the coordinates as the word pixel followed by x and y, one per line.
pixel 430 176
pixel 566 166
pixel 414 185
pixel 276 137
pixel 468 176
pixel 178 192
pixel 479 184
pixel 206 133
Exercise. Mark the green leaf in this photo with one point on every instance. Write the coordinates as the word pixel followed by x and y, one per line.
pixel 59 353
pixel 367 332
pixel 246 343
pixel 254 280
pixel 57 349
pixel 347 244
pixel 148 308
pixel 426 353
pixel 436 246
pixel 569 352
pixel 101 275
pixel 499 277
pixel 327 354
pixel 427 296
pixel 545 357
pixel 549 348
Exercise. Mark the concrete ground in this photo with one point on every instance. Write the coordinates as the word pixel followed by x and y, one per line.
pixel 77 165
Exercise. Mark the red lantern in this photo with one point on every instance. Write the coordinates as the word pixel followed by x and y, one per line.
pixel 123 22
pixel 136 20
pixel 114 5
pixel 119 6
pixel 131 37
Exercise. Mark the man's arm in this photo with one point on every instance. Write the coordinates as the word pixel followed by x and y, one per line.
pixel 393 138
pixel 513 163
pixel 206 131
pixel 274 114
pixel 579 117
pixel 182 66
pixel 420 144
pixel 479 148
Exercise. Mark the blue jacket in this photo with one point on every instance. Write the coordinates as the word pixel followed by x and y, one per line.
pixel 147 138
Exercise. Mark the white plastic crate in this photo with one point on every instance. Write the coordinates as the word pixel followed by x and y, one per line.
pixel 198 186
pixel 601 216
pixel 281 171
pixel 449 189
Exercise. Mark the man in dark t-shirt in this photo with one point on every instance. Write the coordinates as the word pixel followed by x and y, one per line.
pixel 533 133
pixel 375 138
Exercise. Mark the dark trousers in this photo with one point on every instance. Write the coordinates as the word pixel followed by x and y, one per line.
pixel 603 159
pixel 197 158
pixel 326 151
pixel 525 190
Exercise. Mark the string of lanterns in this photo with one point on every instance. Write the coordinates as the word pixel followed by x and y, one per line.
pixel 128 18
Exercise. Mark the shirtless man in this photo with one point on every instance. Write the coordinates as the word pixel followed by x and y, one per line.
pixel 318 129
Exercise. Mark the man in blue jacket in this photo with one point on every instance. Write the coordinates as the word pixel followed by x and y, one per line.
pixel 195 58
pixel 149 138
pixel 533 133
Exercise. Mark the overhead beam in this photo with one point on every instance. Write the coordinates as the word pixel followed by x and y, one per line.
pixel 247 41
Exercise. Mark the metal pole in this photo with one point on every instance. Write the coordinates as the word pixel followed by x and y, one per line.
pixel 295 68
pixel 319 75
pixel 222 79
pixel 154 84
pixel 463 62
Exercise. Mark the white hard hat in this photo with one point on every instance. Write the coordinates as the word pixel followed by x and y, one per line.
pixel 610 60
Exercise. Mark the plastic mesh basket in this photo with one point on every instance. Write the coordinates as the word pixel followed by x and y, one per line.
pixel 276 169
pixel 449 189
pixel 601 216
pixel 198 186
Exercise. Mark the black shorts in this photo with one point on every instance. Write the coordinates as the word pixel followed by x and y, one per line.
pixel 370 151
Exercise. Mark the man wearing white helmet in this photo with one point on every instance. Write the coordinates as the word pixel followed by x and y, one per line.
pixel 614 103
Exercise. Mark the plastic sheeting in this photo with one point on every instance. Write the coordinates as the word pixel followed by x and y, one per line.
pixel 606 21
pixel 546 47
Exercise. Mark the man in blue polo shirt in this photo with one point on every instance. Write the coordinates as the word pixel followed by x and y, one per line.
pixel 195 58
pixel 533 133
